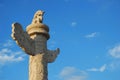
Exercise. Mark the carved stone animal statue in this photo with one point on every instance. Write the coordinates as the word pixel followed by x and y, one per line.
pixel 38 17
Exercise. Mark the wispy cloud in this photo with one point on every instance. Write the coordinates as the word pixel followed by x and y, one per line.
pixel 114 65
pixel 101 69
pixel 115 51
pixel 91 35
pixel 8 43
pixel 71 73
pixel 73 24
pixel 52 44
pixel 8 55
pixel 115 54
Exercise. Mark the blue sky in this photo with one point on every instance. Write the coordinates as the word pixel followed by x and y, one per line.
pixel 86 31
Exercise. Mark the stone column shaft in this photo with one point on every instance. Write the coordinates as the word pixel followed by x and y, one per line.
pixel 34 42
pixel 38 63
pixel 38 67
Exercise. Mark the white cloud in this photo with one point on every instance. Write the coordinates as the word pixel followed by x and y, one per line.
pixel 67 71
pixel 4 51
pixel 71 73
pixel 101 69
pixel 114 65
pixel 92 35
pixel 115 51
pixel 52 44
pixel 73 24
pixel 115 54
pixel 8 43
pixel 8 55
pixel 11 58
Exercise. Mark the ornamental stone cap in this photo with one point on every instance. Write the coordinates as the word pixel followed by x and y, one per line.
pixel 36 27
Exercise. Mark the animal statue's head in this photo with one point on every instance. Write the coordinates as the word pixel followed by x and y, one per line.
pixel 38 17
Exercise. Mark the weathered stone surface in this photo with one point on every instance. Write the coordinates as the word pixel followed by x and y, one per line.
pixel 52 55
pixel 23 39
pixel 38 17
pixel 37 27
pixel 38 67
pixel 34 43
